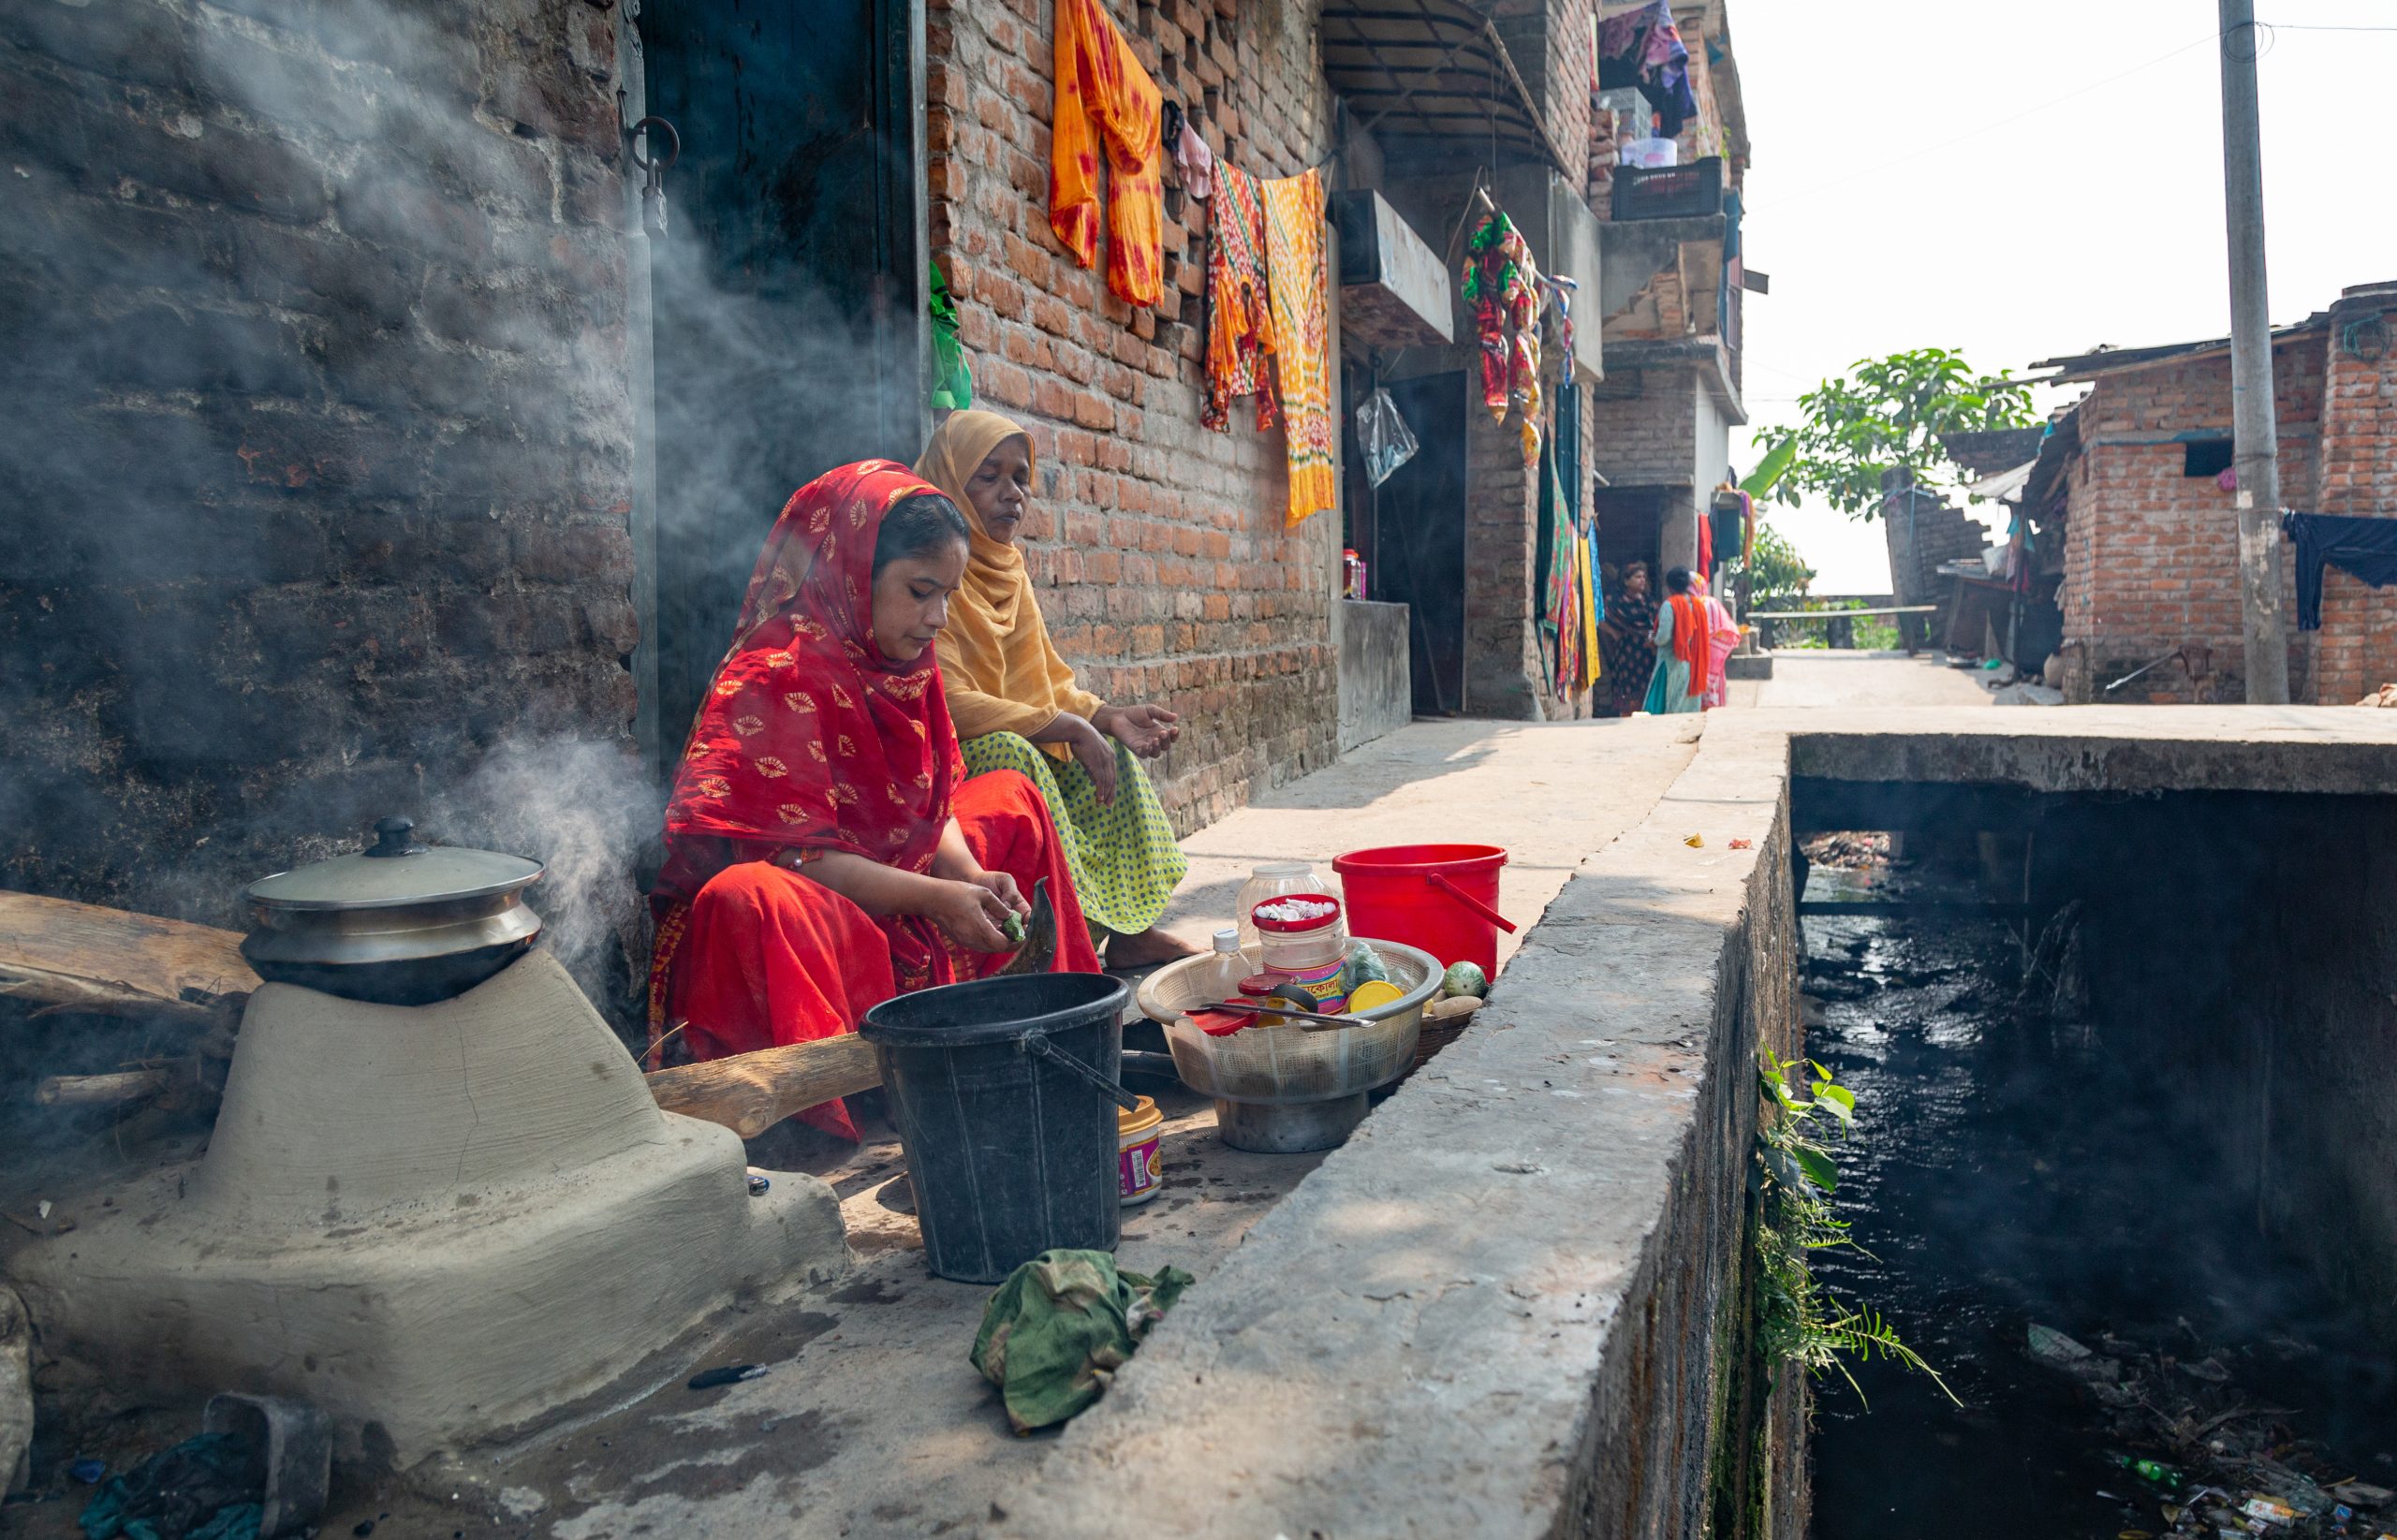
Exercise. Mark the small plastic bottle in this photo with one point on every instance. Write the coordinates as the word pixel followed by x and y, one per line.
pixel 1219 976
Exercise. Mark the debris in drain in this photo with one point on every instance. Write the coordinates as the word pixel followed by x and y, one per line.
pixel 2220 1463
pixel 729 1374
pixel 1848 851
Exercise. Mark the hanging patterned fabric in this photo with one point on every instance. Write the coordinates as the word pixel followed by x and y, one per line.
pixel 1593 606
pixel 1501 285
pixel 1303 338
pixel 1561 289
pixel 1645 49
pixel 1560 619
pixel 1104 95
pixel 1239 320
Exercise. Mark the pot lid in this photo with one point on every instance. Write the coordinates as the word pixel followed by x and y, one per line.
pixel 394 870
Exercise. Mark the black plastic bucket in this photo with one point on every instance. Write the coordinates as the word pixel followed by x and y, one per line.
pixel 1005 1091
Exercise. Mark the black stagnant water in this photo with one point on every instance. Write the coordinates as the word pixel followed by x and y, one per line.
pixel 2003 1175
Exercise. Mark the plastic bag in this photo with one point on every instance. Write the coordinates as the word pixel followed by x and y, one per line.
pixel 1384 435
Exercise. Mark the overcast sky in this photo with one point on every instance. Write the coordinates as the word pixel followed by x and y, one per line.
pixel 2034 178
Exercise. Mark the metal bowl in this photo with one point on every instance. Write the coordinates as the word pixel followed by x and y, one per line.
pixel 397 923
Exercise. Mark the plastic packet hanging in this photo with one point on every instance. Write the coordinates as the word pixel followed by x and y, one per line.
pixel 1383 436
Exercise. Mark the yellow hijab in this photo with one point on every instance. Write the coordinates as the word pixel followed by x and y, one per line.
pixel 1000 670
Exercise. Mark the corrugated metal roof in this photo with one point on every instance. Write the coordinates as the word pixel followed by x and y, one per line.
pixel 2113 360
pixel 1431 69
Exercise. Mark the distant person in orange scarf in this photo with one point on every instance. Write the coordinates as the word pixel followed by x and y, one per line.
pixel 1684 649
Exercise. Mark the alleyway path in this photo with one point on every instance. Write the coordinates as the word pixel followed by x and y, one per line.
pixel 1824 678
pixel 1551 793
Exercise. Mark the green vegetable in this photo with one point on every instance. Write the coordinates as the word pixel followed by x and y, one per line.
pixel 1364 963
pixel 1013 929
pixel 1465 979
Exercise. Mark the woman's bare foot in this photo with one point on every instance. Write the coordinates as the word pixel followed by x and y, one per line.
pixel 1146 950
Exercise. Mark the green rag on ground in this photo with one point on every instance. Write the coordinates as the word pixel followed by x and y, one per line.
pixel 1061 1325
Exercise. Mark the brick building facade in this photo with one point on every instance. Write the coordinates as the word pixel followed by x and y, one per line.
pixel 382 447
pixel 1159 548
pixel 2149 530
pixel 1670 303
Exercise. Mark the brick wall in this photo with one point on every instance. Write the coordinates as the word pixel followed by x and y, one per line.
pixel 317 415
pixel 2355 475
pixel 1649 438
pixel 2152 556
pixel 1165 571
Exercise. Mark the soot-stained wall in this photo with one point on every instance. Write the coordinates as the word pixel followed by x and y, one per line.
pixel 317 437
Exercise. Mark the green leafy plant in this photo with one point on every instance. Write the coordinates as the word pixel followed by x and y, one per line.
pixel 1800 1322
pixel 1882 415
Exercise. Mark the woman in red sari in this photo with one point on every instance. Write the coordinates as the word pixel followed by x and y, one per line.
pixel 825 850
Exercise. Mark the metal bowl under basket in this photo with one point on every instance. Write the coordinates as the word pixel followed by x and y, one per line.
pixel 1285 1089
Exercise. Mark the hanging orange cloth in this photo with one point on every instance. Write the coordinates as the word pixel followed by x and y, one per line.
pixel 1303 338
pixel 1101 88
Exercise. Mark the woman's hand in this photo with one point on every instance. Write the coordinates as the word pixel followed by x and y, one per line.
pixel 1002 887
pixel 970 914
pixel 1148 731
pixel 1096 756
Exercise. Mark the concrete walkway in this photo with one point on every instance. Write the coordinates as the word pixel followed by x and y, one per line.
pixel 1812 676
pixel 1551 794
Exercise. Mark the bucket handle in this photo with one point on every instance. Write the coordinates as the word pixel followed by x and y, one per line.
pixel 1452 890
pixel 1037 1043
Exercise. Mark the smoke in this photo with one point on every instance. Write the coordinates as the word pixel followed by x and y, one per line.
pixel 587 812
pixel 321 427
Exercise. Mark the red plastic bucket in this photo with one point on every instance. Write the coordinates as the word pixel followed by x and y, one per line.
pixel 1443 898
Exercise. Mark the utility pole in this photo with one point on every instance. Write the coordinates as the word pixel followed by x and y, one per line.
pixel 2255 446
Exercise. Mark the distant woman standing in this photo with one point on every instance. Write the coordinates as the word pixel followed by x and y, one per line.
pixel 1684 649
pixel 1623 641
pixel 1017 706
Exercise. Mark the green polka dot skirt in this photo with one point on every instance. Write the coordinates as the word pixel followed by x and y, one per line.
pixel 1123 856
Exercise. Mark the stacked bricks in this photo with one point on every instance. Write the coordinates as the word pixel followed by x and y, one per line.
pixel 319 414
pixel 1158 548
pixel 2152 555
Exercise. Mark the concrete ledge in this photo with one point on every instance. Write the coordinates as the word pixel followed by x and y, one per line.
pixel 1748 666
pixel 1511 1305
pixel 2320 749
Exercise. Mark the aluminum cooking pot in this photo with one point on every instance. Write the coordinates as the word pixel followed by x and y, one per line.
pixel 399 923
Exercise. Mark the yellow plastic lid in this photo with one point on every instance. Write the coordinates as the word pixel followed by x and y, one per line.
pixel 1140 1120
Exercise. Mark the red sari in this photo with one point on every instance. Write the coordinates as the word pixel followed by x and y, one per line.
pixel 811 741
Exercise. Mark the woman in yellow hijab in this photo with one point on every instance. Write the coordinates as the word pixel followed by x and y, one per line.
pixel 1017 706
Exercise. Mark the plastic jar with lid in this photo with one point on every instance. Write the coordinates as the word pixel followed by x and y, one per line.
pixel 1305 937
pixel 1271 880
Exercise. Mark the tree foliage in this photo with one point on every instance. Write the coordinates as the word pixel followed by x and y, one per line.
pixel 1782 576
pixel 1883 414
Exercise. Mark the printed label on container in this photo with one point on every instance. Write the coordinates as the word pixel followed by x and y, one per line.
pixel 1137 1171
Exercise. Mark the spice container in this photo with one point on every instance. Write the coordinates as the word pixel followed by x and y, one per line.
pixel 1271 880
pixel 1137 1133
pixel 1305 938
